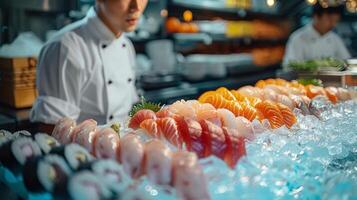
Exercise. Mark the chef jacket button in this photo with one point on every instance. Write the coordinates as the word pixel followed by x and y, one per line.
pixel 129 80
pixel 124 45
pixel 110 82
pixel 104 46
pixel 111 117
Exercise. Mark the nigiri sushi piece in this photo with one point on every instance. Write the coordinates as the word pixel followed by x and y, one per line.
pixel 157 162
pixel 288 116
pixel 84 134
pixel 235 146
pixel 188 177
pixel 139 117
pixel 63 130
pixel 227 118
pixel 106 144
pixel 131 154
pixel 168 128
pixel 150 128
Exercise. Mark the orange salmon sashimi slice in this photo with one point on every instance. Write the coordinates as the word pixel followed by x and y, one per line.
pixel 331 93
pixel 168 128
pixel 239 96
pixel 249 112
pixel 235 146
pixel 271 112
pixel 139 117
pixel 150 127
pixel 313 91
pixel 226 94
pixel 288 116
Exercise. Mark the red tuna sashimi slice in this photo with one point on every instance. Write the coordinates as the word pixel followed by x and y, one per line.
pixel 207 128
pixel 140 116
pixel 184 130
pixel 235 146
pixel 217 137
pixel 196 139
pixel 150 127
pixel 168 128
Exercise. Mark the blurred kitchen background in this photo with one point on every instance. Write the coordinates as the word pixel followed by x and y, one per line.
pixel 184 47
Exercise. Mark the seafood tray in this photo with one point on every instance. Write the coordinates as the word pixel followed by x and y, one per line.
pixel 274 140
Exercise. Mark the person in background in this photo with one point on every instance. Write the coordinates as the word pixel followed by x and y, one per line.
pixel 317 40
pixel 86 71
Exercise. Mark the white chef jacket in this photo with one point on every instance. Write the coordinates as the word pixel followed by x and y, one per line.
pixel 85 72
pixel 306 43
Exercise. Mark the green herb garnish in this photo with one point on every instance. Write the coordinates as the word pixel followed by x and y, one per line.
pixel 144 105
pixel 116 127
pixel 316 82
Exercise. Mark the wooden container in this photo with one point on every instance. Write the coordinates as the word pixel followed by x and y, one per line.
pixel 21 97
pixel 15 65
pixel 18 81
pixel 334 78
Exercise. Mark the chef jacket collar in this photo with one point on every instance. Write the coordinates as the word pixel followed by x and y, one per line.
pixel 100 31
pixel 314 34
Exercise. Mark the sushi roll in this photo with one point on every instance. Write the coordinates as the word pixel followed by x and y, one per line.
pixel 46 142
pixel 21 133
pixel 14 153
pixel 74 154
pixel 111 172
pixel 40 174
pixel 82 185
pixel 5 136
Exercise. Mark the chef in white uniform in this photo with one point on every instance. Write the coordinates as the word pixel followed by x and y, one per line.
pixel 317 40
pixel 86 71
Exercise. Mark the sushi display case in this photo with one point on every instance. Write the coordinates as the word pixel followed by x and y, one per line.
pixel 275 140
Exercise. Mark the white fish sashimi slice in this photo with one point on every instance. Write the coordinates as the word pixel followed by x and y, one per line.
pixel 131 154
pixel 157 165
pixel 183 109
pixel 63 130
pixel 227 118
pixel 106 144
pixel 244 127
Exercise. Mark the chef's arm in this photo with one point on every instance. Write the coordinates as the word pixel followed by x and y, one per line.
pixel 60 78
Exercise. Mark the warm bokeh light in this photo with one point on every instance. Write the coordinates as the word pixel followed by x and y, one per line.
pixel 164 13
pixel 311 2
pixel 187 16
pixel 270 3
